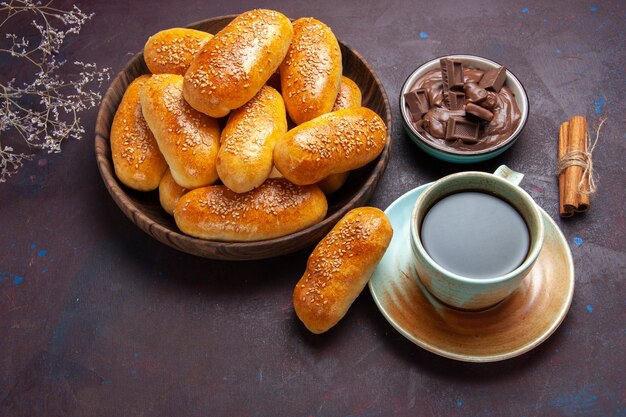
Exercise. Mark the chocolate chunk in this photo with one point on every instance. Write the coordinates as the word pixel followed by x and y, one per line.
pixel 451 74
pixel 444 114
pixel 478 111
pixel 474 93
pixel 455 100
pixel 491 101
pixel 436 119
pixel 422 96
pixel 417 100
pixel 461 128
pixel 493 79
pixel 435 96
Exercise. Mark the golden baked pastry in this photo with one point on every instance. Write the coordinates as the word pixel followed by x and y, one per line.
pixel 310 75
pixel 274 209
pixel 246 154
pixel 171 51
pixel 329 144
pixel 170 192
pixel 188 139
pixel 238 61
pixel 333 182
pixel 349 95
pixel 137 161
pixel 340 266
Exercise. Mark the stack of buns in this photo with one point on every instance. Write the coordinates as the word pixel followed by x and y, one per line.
pixel 209 126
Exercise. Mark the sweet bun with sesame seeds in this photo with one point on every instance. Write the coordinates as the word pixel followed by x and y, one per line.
pixel 233 66
pixel 331 143
pixel 310 75
pixel 333 182
pixel 340 266
pixel 246 154
pixel 170 192
pixel 349 97
pixel 137 161
pixel 189 140
pixel 171 51
pixel 276 208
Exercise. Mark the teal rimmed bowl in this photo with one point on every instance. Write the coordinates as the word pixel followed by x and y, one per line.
pixel 463 156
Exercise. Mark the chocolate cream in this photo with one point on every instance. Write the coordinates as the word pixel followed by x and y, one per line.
pixel 433 124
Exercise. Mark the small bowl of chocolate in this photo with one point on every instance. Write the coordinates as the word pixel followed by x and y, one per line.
pixel 463 108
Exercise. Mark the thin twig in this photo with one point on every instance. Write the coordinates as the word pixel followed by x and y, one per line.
pixel 44 111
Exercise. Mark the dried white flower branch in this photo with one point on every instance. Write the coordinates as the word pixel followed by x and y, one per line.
pixel 44 109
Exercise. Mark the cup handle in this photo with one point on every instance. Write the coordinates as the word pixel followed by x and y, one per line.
pixel 508 174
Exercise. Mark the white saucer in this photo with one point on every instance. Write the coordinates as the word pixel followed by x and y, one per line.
pixel 515 326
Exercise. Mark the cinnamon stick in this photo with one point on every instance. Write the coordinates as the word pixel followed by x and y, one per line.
pixel 577 143
pixel 574 151
pixel 583 192
pixel 563 143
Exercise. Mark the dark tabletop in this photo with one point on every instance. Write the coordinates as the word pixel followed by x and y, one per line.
pixel 99 319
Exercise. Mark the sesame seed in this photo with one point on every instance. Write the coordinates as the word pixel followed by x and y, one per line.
pixel 251 33
pixel 328 258
pixel 347 137
pixel 312 60
pixel 245 122
pixel 239 212
pixel 137 139
pixel 187 121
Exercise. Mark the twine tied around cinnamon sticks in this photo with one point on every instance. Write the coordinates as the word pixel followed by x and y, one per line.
pixel 575 166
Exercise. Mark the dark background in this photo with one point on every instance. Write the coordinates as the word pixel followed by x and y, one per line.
pixel 98 319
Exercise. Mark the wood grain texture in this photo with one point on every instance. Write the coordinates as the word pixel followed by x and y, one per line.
pixel 145 211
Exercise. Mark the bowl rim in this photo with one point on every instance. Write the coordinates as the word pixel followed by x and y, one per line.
pixel 214 249
pixel 464 154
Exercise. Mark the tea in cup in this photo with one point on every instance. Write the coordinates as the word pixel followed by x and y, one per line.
pixel 474 237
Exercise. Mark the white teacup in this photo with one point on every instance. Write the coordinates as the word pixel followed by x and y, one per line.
pixel 461 290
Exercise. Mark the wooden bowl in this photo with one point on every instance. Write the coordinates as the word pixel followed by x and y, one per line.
pixel 145 211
